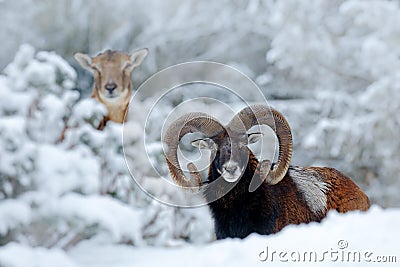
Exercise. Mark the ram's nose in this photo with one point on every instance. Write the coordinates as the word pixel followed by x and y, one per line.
pixel 230 167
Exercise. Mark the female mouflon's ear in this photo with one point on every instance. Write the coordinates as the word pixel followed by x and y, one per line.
pixel 138 57
pixel 84 60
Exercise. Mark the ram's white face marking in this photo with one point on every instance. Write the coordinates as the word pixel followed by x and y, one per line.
pixel 231 153
pixel 313 188
pixel 231 171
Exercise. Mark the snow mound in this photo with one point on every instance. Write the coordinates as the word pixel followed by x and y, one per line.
pixel 355 238
pixel 17 255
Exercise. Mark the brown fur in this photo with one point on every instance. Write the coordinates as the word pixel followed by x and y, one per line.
pixel 295 210
pixel 343 194
pixel 272 207
pixel 108 68
pixel 112 69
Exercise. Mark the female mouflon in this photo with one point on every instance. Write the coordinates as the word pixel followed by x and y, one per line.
pixel 112 80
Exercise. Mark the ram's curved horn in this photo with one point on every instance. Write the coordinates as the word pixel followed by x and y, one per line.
pixel 263 115
pixel 189 123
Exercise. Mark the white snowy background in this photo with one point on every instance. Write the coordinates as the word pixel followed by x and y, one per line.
pixel 331 66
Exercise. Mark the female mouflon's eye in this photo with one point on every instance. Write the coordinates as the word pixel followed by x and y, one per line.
pixel 95 68
pixel 127 66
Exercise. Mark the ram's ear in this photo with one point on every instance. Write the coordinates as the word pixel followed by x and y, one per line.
pixel 84 60
pixel 205 143
pixel 254 137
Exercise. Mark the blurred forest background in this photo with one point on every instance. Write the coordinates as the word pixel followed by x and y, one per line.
pixel 331 66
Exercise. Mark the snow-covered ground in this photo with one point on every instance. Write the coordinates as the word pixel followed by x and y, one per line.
pixel 352 239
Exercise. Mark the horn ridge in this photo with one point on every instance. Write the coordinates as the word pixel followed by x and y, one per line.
pixel 189 123
pixel 264 115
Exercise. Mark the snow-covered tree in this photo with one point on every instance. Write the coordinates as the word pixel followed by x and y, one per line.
pixel 345 57
pixel 61 180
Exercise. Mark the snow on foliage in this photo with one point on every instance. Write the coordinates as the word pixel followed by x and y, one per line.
pixel 62 181
pixel 347 54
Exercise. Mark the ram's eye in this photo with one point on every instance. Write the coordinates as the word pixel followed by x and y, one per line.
pixel 254 138
pixel 206 143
